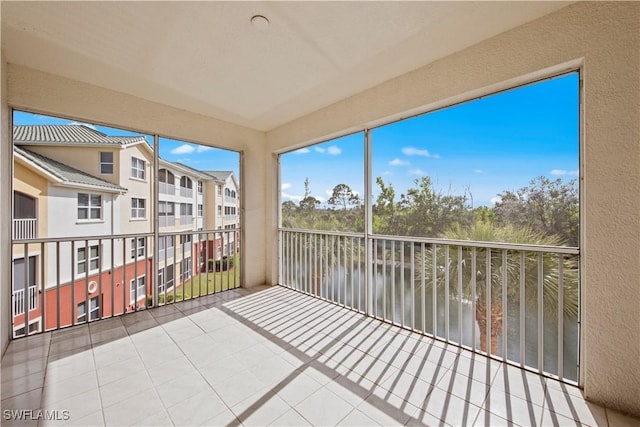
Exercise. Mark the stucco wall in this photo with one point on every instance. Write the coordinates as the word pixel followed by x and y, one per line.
pixel 46 93
pixel 5 212
pixel 604 40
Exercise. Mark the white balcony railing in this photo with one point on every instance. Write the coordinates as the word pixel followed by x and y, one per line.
pixel 186 219
pixel 114 280
pixel 518 303
pixel 186 192
pixel 25 228
pixel 167 221
pixel 165 188
pixel 19 302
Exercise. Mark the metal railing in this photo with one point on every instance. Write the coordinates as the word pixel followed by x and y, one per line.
pixel 186 192
pixel 19 302
pixel 76 274
pixel 514 302
pixel 25 228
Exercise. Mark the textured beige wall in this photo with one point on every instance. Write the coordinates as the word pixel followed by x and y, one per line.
pixel 46 93
pixel 604 38
pixel 5 212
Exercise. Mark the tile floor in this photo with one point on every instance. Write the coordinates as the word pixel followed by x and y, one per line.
pixel 272 356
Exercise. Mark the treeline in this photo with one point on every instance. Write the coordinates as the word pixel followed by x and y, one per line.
pixel 543 212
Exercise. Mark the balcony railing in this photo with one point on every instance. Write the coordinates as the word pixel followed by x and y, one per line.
pixel 25 228
pixel 165 188
pixel 82 272
pixel 167 221
pixel 186 219
pixel 19 302
pixel 518 303
pixel 186 192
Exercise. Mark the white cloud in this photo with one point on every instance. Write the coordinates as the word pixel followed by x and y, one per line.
pixel 202 148
pixel 334 151
pixel 398 162
pixel 412 151
pixel 320 199
pixel 416 172
pixel 286 185
pixel 83 124
pixel 302 151
pixel 183 149
pixel 563 172
pixel 478 171
pixel 495 200
pixel 319 149
pixel 387 173
pixel 291 196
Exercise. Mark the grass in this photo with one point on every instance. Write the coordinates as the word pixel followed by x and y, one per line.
pixel 206 283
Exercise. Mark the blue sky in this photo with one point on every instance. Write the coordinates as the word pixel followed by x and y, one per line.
pixel 499 142
pixel 194 155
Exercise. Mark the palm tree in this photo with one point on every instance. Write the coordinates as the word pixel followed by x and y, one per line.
pixel 494 268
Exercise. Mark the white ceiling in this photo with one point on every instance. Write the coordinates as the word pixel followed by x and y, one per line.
pixel 206 57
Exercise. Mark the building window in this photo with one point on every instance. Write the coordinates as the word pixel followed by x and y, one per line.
pixel 186 209
pixel 165 278
pixel 219 190
pixel 89 207
pixel 199 187
pixel 166 214
pixel 93 259
pixel 94 310
pixel 137 208
pixel 200 210
pixel 137 168
pixel 166 242
pixel 185 269
pixel 141 289
pixel 106 163
pixel 185 238
pixel 138 247
pixel 219 209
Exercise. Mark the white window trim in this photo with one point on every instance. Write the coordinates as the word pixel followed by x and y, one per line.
pixel 87 260
pixel 144 169
pixel 88 208
pixel 141 296
pixel 91 311
pixel 112 163
pixel 144 210
pixel 141 247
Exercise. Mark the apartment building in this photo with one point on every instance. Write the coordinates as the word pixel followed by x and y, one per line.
pixel 73 185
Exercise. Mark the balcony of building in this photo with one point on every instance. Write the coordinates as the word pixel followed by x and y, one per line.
pixel 264 355
pixel 275 356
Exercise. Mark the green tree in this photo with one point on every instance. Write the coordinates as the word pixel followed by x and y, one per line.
pixel 550 207
pixel 343 195
pixel 494 269
pixel 429 212
pixel 308 202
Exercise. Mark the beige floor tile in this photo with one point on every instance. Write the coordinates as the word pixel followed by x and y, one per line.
pixel 260 409
pixel 323 408
pixel 197 409
pixel 182 387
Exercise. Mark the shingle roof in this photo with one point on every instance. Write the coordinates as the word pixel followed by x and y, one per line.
pixel 219 175
pixel 67 134
pixel 66 173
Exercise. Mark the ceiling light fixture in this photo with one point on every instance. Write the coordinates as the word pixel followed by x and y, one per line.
pixel 259 22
